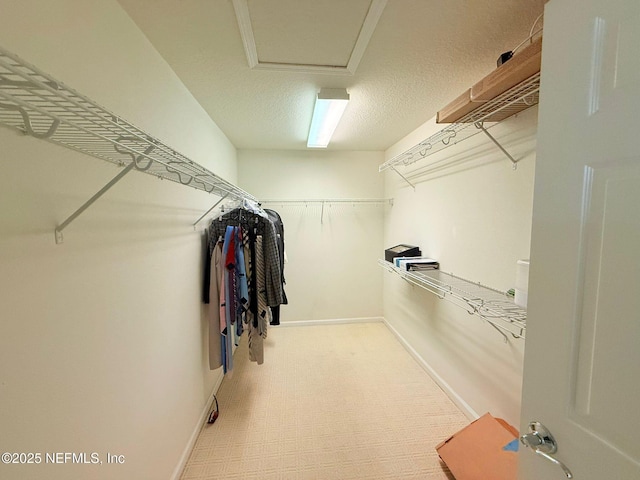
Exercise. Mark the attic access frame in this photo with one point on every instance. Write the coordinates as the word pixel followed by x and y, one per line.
pixel 36 104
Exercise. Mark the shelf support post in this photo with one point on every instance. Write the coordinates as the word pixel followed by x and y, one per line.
pixel 514 162
pixel 403 177
pixel 88 203
pixel 207 212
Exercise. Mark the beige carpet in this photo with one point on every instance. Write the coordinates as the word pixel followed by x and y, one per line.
pixel 330 402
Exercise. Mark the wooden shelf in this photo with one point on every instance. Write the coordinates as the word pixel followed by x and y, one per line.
pixel 511 73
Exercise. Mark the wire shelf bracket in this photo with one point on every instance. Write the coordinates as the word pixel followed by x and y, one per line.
pixel 514 162
pixel 91 201
pixel 207 212
pixel 403 177
pixel 34 103
pixel 493 306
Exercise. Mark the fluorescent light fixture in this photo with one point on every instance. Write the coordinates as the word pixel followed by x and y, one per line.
pixel 330 105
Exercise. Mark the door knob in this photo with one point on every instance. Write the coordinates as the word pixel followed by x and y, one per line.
pixel 540 440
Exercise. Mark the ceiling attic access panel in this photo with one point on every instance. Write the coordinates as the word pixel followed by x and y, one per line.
pixel 309 37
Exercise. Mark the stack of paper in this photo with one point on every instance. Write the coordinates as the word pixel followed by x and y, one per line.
pixel 416 263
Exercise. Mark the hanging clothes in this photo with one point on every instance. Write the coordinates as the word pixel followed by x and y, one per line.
pixel 259 225
pixel 245 283
pixel 214 284
pixel 226 299
pixel 241 275
pixel 279 227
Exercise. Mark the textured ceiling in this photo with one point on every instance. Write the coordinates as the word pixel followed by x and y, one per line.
pixel 421 55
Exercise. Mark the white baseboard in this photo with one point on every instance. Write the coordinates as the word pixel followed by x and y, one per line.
pixel 196 431
pixel 331 321
pixel 469 412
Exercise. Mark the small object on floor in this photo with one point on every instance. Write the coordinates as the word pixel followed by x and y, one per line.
pixel 214 412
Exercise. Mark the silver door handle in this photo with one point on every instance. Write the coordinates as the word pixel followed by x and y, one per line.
pixel 542 442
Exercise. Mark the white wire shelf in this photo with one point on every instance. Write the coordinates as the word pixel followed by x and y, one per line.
pixel 35 103
pixel 516 99
pixel 494 306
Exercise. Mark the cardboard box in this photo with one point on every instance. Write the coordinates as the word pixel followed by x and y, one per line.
pixel 484 450
pixel 519 68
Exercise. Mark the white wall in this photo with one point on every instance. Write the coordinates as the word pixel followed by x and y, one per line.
pixel 103 338
pixel 103 344
pixel 331 271
pixel 472 212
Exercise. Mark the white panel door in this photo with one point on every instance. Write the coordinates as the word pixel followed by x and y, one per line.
pixel 582 355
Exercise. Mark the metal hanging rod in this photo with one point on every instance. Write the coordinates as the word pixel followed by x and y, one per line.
pixel 330 201
pixel 36 104
pixel 492 305
pixel 517 98
pixel 377 201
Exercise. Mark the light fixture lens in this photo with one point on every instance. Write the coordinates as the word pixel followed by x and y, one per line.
pixel 330 105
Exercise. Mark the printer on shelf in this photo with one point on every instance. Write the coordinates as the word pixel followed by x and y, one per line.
pixel 401 250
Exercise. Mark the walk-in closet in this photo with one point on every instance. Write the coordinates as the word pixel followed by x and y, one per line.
pixel 194 287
